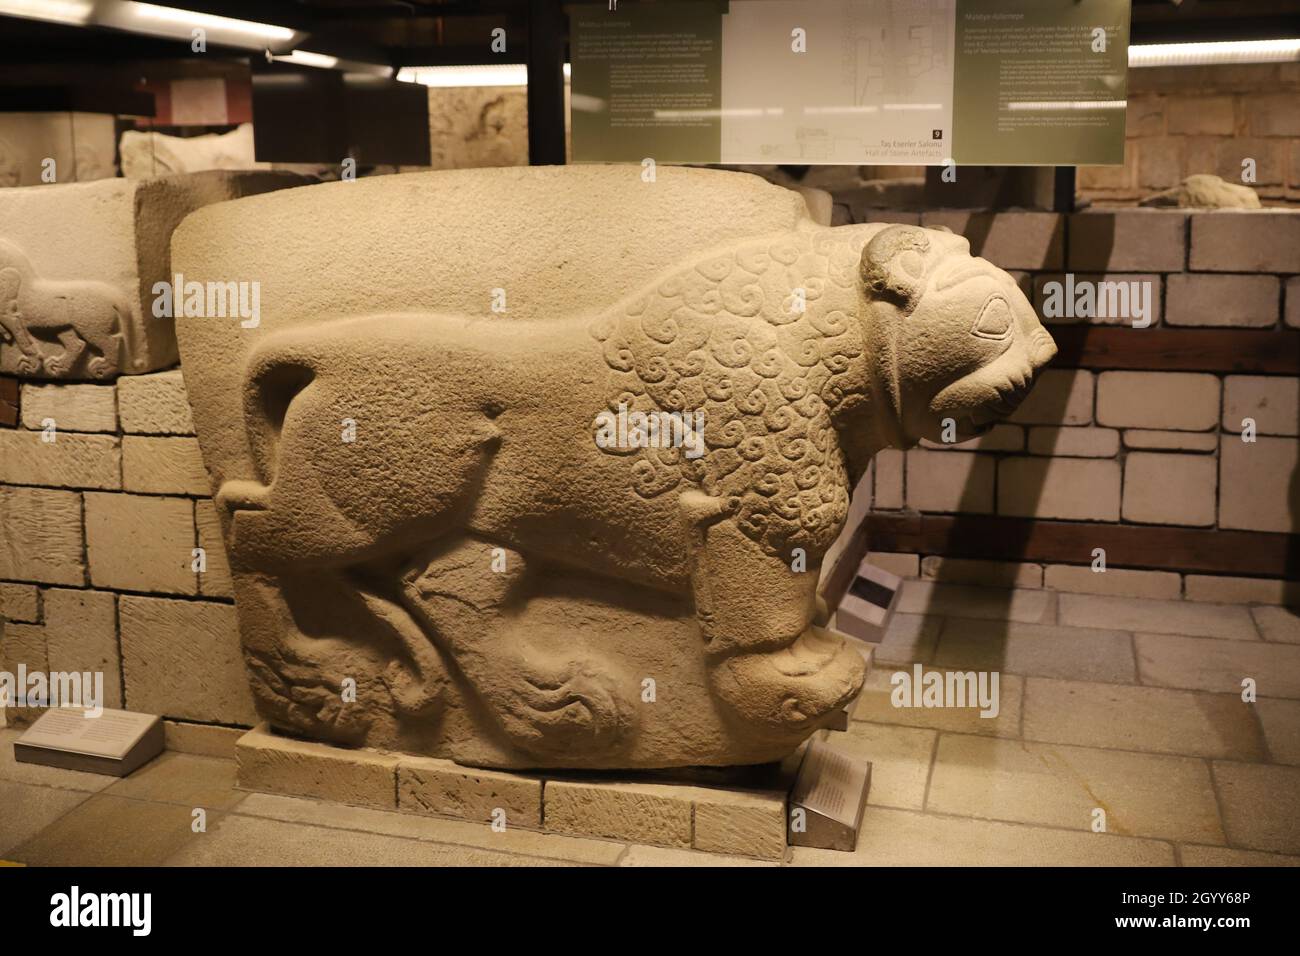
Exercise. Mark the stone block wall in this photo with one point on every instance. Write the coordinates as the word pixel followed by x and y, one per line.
pixel 1185 120
pixel 1132 441
pixel 99 535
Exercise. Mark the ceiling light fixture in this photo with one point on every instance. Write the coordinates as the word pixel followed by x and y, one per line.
pixel 1212 54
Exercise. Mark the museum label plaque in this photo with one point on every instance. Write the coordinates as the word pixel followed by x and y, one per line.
pixel 116 742
pixel 880 82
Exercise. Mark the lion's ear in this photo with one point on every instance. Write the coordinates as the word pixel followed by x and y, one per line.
pixel 893 265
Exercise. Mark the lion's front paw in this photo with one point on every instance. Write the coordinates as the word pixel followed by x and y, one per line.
pixel 28 365
pixel 57 365
pixel 99 367
pixel 793 689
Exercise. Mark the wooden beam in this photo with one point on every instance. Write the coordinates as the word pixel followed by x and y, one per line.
pixel 8 401
pixel 1161 548
pixel 1182 350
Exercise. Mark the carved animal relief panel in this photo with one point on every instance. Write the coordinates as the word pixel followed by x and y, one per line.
pixel 560 496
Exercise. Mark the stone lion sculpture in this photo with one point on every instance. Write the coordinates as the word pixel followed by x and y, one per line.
pixel 592 539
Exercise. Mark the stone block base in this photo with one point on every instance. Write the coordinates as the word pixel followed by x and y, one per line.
pixel 746 817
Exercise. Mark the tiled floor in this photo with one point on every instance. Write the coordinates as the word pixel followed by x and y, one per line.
pixel 1120 712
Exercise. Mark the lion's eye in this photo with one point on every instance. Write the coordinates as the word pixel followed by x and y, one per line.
pixel 995 319
pixel 912 263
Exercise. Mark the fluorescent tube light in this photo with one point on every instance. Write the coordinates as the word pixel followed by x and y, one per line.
pixel 493 74
pixel 53 11
pixel 306 58
pixel 1210 54
pixel 188 19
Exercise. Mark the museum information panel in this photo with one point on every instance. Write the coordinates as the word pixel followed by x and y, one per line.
pixel 910 82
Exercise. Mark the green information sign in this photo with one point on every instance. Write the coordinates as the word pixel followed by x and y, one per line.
pixel 910 82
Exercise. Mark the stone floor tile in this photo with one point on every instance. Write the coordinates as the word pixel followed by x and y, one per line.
pixel 1281 722
pixel 910 637
pixel 1143 795
pixel 41 776
pixel 516 840
pixel 26 810
pixel 907 838
pixel 960 600
pixel 1040 650
pixel 900 761
pixel 112 831
pixel 1191 618
pixel 184 779
pixel 239 840
pixel 638 855
pixel 1223 856
pixel 1278 623
pixel 875 705
pixel 1261 805
pixel 1195 663
pixel 1152 719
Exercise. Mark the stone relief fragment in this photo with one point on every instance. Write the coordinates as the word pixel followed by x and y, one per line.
pixel 584 532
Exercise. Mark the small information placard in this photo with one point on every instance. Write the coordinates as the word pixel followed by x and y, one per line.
pixel 879 82
pixel 114 742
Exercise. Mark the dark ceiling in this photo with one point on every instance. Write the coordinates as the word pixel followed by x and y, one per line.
pixel 425 32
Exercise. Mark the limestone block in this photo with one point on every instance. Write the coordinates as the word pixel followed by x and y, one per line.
pixel 146 154
pixel 181 659
pixel 204 740
pixel 1107 287
pixel 742 823
pixel 657 814
pixel 949 481
pixel 81 635
pixel 139 543
pixel 1010 240
pixel 998 438
pixel 81 145
pixel 72 408
pixel 1257 488
pixel 1180 401
pixel 1273 402
pixel 1201 114
pixel 215 580
pixel 1291 311
pixel 274 764
pixel 40 536
pixel 440 787
pixel 1157 440
pixel 1160 161
pixel 1078 489
pixel 20 603
pixel 22 645
pixel 478 126
pixel 1122 582
pixel 154 404
pixel 1169 489
pixel 1002 574
pixel 1233 590
pixel 1061 397
pixel 423 486
pixel 888 487
pixel 78 303
pixel 1140 240
pixel 1074 442
pixel 1247 301
pixel 1245 241
pixel 71 460
pixel 163 466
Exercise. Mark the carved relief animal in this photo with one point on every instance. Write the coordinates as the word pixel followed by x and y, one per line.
pixel 806 353
pixel 61 327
